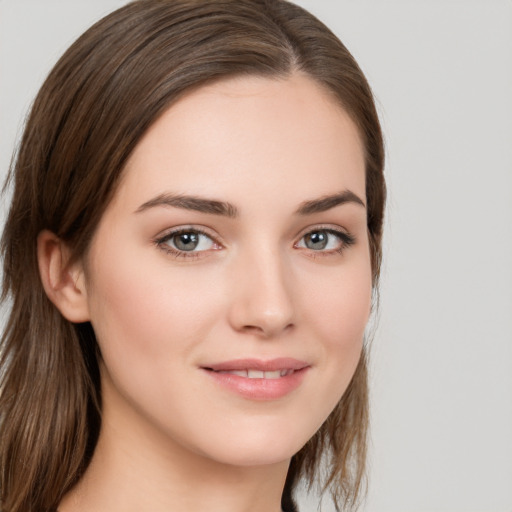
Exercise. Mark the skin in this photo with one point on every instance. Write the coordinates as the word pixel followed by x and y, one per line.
pixel 172 438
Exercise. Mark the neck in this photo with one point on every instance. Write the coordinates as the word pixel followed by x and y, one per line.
pixel 138 468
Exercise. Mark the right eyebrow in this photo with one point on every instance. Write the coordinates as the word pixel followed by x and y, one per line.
pixel 199 204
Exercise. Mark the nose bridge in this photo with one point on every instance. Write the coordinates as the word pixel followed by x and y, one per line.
pixel 262 295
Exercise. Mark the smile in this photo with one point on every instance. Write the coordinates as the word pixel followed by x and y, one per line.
pixel 257 379
pixel 258 374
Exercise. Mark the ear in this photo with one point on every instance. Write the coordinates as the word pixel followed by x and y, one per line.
pixel 64 284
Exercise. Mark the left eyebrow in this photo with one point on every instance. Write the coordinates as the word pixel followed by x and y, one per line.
pixel 327 202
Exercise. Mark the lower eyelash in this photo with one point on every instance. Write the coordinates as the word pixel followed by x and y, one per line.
pixel 160 243
pixel 346 239
pixel 178 254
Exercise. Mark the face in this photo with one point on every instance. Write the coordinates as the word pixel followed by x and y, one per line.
pixel 229 281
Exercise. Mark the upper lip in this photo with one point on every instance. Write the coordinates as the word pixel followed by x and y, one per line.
pixel 269 365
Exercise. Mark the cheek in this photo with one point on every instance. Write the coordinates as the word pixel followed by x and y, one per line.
pixel 141 312
pixel 338 308
pixel 341 305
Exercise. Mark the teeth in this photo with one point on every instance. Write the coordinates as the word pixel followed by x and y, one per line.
pixel 258 374
pixel 240 373
pixel 273 375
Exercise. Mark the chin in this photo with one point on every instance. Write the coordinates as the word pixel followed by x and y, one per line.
pixel 252 456
pixel 258 444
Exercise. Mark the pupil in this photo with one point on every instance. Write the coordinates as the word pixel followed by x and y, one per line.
pixel 186 241
pixel 316 240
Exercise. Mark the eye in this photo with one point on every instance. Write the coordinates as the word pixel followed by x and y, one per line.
pixel 187 242
pixel 325 240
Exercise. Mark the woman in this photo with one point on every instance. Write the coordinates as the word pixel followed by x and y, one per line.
pixel 191 252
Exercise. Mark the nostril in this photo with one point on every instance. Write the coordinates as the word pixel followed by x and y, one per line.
pixel 252 328
pixel 267 329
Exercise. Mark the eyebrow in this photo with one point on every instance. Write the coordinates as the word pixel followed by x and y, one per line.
pixel 198 204
pixel 327 202
pixel 223 208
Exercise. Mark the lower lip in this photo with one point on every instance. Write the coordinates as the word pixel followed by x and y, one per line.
pixel 259 389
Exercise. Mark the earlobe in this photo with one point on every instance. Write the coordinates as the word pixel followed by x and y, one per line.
pixel 64 284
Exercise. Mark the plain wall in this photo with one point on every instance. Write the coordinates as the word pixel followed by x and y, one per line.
pixel 441 376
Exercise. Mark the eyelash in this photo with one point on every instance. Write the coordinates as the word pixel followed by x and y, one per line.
pixel 346 240
pixel 161 242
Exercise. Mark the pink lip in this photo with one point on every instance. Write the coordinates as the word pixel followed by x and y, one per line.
pixel 282 363
pixel 259 388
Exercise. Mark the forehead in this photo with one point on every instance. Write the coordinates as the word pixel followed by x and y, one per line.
pixel 249 137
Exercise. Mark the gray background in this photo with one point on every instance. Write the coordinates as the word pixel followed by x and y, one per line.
pixel 442 355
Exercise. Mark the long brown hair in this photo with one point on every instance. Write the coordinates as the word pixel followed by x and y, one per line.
pixel 94 107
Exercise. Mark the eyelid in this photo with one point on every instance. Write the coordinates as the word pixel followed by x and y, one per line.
pixel 333 228
pixel 346 238
pixel 161 239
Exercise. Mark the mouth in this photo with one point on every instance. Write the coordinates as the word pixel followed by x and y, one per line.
pixel 257 379
pixel 257 374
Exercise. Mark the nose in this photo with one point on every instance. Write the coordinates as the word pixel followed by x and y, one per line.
pixel 262 298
